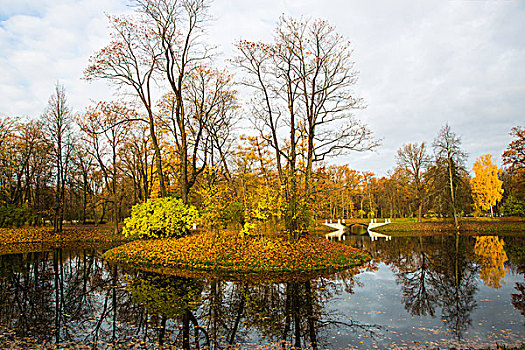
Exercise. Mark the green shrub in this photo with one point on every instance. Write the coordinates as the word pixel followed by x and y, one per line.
pixel 13 216
pixel 161 217
pixel 513 207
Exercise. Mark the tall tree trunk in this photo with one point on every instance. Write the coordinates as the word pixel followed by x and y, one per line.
pixel 158 159
pixel 452 195
pixel 84 202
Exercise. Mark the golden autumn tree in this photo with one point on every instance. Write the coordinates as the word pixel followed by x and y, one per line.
pixel 487 189
pixel 257 184
pixel 216 200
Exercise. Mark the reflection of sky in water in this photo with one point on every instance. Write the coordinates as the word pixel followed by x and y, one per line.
pixel 378 301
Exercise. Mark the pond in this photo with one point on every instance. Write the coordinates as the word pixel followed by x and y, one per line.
pixel 417 292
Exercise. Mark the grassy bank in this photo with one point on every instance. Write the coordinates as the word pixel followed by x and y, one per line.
pixel 231 253
pixel 73 233
pixel 468 226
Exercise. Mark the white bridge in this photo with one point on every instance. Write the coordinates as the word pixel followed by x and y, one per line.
pixel 341 228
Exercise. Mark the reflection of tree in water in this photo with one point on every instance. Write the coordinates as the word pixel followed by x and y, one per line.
pixel 492 258
pixel 230 313
pixel 434 272
pixel 286 312
pixel 220 301
pixel 456 285
pixel 293 313
pixel 26 301
pixel 515 248
pixel 518 299
pixel 74 296
pixel 164 295
pixel 45 295
pixel 168 297
pixel 417 279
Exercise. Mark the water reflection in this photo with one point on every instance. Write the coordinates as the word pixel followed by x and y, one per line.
pixel 74 296
pixel 356 230
pixel 441 273
pixel 443 283
pixel 516 254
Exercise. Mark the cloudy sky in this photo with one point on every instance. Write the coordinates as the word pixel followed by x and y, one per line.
pixel 421 63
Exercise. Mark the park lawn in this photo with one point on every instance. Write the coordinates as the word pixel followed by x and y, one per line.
pixel 232 253
pixel 467 226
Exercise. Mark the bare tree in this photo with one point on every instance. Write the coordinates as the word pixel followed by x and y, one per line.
pixel 130 61
pixel 414 159
pixel 449 153
pixel 178 28
pixel 303 83
pixel 163 42
pixel 84 168
pixel 209 100
pixel 106 133
pixel 57 120
pixel 137 162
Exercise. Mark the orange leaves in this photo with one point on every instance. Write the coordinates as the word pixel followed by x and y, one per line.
pixel 229 252
pixel 514 155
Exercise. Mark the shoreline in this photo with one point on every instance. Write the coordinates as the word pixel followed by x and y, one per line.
pixel 70 234
pixel 104 233
pixel 447 228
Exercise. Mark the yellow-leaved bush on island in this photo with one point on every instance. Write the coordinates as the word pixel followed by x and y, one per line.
pixel 487 189
pixel 160 217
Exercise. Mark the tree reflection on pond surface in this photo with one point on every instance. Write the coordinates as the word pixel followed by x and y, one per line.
pixel 433 291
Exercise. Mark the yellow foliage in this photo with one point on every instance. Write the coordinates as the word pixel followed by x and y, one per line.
pixel 487 189
pixel 216 198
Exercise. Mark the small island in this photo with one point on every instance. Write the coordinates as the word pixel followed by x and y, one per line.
pixel 232 253
pixel 162 229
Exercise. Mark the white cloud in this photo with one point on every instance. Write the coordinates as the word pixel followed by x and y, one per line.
pixel 45 42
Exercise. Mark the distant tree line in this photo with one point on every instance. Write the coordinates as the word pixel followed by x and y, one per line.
pixel 426 182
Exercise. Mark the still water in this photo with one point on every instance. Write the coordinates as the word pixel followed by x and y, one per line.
pixel 434 291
